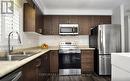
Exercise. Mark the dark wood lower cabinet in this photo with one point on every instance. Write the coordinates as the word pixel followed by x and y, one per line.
pixel 30 71
pixel 36 69
pixel 87 61
pixel 54 61
pixel 39 68
pixel 44 68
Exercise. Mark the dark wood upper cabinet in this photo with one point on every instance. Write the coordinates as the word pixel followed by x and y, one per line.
pixel 84 25
pixel 39 20
pixel 55 25
pixel 51 23
pixel 29 18
pixel 32 18
pixel 73 19
pixel 63 19
pixel 96 20
pixel 47 27
pixel 35 21
pixel 105 19
pixel 68 19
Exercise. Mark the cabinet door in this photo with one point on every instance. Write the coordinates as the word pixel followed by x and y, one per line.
pixel 47 25
pixel 105 19
pixel 73 19
pixel 97 20
pixel 39 20
pixel 30 71
pixel 44 68
pixel 63 19
pixel 45 63
pixel 84 25
pixel 55 25
pixel 87 61
pixel 54 61
pixel 29 18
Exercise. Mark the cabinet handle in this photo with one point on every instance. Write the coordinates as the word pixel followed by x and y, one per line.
pixel 39 63
pixel 17 77
pixel 40 30
pixel 46 57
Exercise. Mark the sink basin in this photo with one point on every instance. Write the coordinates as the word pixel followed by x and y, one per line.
pixel 14 57
pixel 17 56
pixel 26 53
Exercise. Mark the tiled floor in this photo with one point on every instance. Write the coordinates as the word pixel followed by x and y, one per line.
pixel 83 77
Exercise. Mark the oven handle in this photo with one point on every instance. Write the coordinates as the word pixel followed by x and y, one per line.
pixel 17 77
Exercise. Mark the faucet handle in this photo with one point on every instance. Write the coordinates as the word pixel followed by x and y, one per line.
pixel 12 48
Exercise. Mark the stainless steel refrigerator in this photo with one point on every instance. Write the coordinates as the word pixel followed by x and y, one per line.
pixel 105 39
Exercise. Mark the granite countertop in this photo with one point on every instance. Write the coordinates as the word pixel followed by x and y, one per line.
pixel 9 66
pixel 83 47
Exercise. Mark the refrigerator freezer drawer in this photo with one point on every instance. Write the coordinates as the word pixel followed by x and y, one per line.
pixel 104 65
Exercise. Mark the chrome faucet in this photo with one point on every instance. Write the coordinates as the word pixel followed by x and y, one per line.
pixel 9 50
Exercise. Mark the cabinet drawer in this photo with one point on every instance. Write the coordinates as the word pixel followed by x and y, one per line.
pixel 86 64
pixel 87 52
pixel 87 59
pixel 86 55
pixel 87 67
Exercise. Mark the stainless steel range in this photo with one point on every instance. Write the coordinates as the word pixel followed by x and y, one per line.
pixel 69 59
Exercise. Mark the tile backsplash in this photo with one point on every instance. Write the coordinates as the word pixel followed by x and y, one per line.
pixel 54 40
pixel 28 40
pixel 33 40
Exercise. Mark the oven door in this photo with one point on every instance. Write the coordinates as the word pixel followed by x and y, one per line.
pixel 69 61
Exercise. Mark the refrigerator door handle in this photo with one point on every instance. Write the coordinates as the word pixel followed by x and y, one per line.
pixel 101 65
pixel 100 41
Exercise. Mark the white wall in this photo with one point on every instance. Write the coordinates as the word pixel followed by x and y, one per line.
pixel 118 18
pixel 127 33
pixel 56 39
pixel 28 39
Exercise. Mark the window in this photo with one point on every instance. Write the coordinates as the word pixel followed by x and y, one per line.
pixel 11 22
pixel 0 22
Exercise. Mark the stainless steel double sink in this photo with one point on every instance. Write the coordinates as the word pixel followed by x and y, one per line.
pixel 17 56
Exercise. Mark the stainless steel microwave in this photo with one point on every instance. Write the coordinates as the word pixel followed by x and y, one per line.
pixel 68 29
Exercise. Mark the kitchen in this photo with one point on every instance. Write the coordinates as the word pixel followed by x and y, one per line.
pixel 73 40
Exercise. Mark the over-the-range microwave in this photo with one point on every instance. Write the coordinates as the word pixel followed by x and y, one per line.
pixel 68 29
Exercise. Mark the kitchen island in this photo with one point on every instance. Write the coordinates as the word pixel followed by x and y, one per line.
pixel 120 66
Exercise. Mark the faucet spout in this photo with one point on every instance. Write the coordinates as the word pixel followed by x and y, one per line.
pixel 19 39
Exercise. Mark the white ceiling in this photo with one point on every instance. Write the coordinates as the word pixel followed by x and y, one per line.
pixel 73 6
